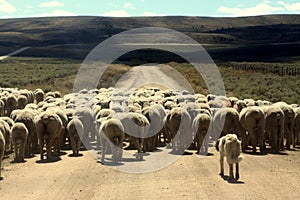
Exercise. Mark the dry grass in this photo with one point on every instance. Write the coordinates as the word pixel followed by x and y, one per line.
pixel 59 74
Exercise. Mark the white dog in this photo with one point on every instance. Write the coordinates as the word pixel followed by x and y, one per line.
pixel 229 146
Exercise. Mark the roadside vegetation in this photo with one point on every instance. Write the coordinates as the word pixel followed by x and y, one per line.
pixel 59 74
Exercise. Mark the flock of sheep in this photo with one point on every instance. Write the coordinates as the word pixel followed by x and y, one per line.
pixel 34 122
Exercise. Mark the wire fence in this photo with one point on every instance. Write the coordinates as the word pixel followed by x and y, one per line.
pixel 275 68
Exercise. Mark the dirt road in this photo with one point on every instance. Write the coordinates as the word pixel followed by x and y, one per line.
pixel 268 176
pixel 14 53
pixel 190 177
pixel 156 75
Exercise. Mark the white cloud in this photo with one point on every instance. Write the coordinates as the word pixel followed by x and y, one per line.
pixel 294 7
pixel 5 17
pixel 259 9
pixel 129 6
pixel 52 4
pixel 55 13
pixel 116 13
pixel 6 7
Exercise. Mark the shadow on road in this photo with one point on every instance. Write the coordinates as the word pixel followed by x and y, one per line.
pixel 232 181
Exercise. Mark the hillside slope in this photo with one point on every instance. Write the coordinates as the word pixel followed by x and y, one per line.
pixel 226 36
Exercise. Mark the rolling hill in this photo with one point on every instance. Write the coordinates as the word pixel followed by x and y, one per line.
pixel 260 38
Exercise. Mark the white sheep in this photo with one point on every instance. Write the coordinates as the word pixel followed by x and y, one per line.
pixel 49 128
pixel 178 129
pixel 155 115
pixel 136 127
pixel 22 101
pixel 201 125
pixel 226 120
pixel 75 130
pixel 252 120
pixel 86 116
pixel 5 129
pixel 112 132
pixel 297 126
pixel 229 146
pixel 2 149
pixel 39 95
pixel 11 104
pixel 274 126
pixel 27 116
pixel 289 117
pixel 19 134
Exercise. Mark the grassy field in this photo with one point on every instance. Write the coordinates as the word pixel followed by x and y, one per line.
pixel 50 74
pixel 58 74
pixel 245 83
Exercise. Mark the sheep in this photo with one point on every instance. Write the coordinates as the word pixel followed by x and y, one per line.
pixel 2 107
pixel 169 105
pixel 231 101
pixel 229 146
pixel 8 120
pixel 262 103
pixel 160 108
pixel 57 94
pixel 155 115
pixel 27 117
pixel 48 127
pixel 252 120
pixel 39 95
pixel 29 95
pixel 31 106
pixel 201 125
pixel 112 132
pixel 11 104
pixel 49 94
pixel 250 102
pixel 216 103
pixel 297 126
pixel 5 129
pixel 239 105
pixel 191 108
pixel 86 116
pixel 178 129
pixel 136 126
pixel 211 97
pixel 22 101
pixel 19 138
pixel 75 131
pixel 103 114
pixel 64 120
pixel 274 126
pixel 2 149
pixel 289 116
pixel 204 106
pixel 226 120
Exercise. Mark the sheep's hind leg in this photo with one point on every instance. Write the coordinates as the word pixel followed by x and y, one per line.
pixel 104 143
pixel 41 149
pixel 231 172
pixel 222 165
pixel 22 152
pixel 237 174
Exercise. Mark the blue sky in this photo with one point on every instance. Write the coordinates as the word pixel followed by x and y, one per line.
pixel 126 8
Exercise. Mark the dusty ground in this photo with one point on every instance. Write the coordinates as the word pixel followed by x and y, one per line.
pixel 262 177
pixel 190 177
